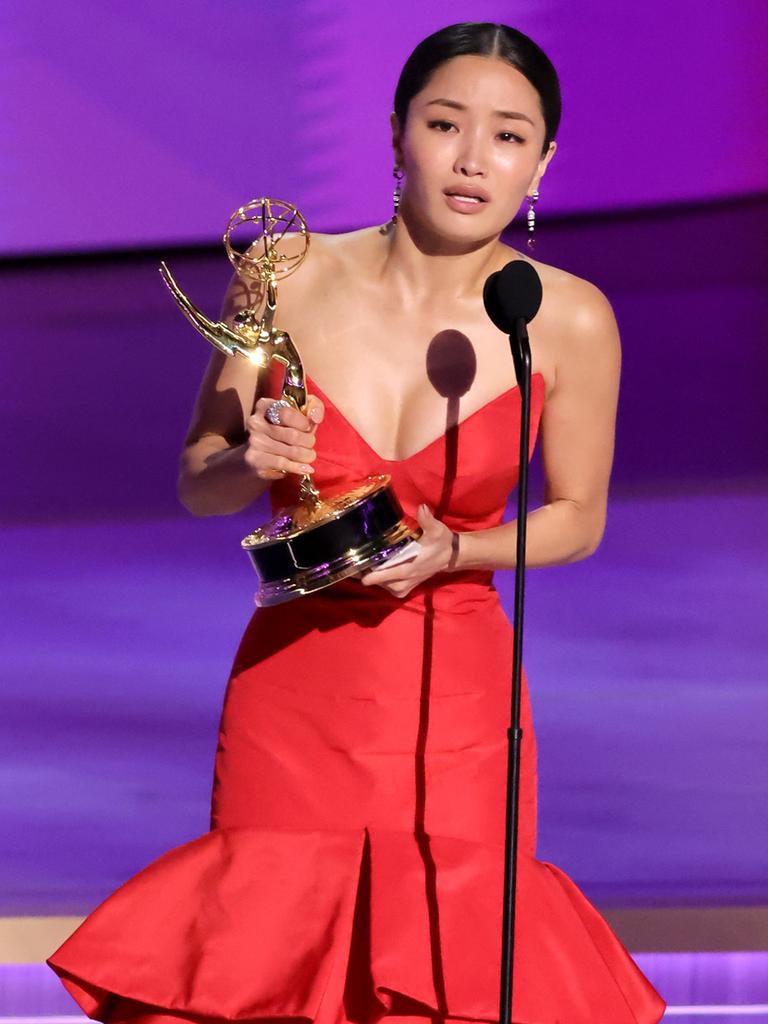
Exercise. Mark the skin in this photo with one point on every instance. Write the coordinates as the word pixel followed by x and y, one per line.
pixel 365 305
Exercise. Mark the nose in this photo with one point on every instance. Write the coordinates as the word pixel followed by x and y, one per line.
pixel 471 160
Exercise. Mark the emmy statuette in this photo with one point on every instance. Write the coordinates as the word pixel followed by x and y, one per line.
pixel 317 541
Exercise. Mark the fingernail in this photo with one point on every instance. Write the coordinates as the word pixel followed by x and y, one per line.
pixel 307 469
pixel 314 414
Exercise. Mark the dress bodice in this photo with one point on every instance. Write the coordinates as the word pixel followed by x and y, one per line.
pixel 465 476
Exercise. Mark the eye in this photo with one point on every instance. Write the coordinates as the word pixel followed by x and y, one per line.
pixel 440 125
pixel 511 135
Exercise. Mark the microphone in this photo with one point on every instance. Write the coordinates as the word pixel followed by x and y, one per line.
pixel 512 297
pixel 511 294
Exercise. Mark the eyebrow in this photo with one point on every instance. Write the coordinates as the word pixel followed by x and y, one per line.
pixel 515 115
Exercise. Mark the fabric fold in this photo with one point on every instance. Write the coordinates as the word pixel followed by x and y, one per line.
pixel 238 923
pixel 249 923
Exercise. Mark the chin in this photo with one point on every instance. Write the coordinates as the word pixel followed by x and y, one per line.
pixel 444 225
pixel 458 228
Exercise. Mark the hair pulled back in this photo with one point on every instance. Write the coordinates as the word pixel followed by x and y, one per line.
pixel 484 39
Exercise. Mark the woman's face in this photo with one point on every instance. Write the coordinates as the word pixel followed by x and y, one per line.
pixel 459 141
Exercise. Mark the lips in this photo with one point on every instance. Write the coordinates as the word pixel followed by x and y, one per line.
pixel 466 201
pixel 468 193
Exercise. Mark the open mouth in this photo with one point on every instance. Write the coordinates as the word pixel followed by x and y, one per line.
pixel 465 202
pixel 469 196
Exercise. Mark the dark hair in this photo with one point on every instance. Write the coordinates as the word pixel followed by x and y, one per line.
pixel 485 39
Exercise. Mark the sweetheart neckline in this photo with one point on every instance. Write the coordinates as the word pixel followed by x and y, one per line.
pixel 430 444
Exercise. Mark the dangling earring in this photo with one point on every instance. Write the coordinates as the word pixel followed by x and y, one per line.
pixel 532 217
pixel 397 173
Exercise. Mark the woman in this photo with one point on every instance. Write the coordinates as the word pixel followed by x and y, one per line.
pixel 354 865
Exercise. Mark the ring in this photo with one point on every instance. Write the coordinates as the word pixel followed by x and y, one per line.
pixel 272 412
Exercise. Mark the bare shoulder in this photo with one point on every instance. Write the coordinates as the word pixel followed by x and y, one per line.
pixel 579 322
pixel 581 301
pixel 325 247
pixel 325 256
pixel 347 248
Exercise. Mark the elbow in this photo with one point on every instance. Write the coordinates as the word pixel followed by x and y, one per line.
pixel 190 498
pixel 594 538
pixel 201 502
pixel 190 489
pixel 591 548
pixel 185 489
pixel 188 503
pixel 590 534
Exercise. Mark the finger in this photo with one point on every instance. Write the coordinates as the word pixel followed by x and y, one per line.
pixel 394 574
pixel 315 409
pixel 273 467
pixel 259 424
pixel 300 452
pixel 260 457
pixel 398 589
pixel 425 518
pixel 286 436
pixel 289 415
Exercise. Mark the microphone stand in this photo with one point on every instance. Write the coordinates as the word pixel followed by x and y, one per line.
pixel 521 354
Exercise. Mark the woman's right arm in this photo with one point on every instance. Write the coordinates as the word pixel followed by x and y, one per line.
pixel 231 452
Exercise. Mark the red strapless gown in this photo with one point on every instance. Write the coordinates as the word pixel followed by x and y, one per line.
pixel 354 866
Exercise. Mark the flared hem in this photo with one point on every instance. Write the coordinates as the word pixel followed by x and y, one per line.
pixel 259 924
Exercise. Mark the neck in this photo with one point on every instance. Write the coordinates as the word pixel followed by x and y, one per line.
pixel 422 265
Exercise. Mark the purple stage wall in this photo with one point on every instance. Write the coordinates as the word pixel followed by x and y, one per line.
pixel 133 122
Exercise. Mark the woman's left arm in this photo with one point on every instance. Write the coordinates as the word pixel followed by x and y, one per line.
pixel 577 438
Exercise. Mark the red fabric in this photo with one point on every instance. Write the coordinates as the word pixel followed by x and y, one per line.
pixel 354 866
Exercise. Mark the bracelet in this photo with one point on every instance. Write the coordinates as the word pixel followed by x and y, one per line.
pixel 454 552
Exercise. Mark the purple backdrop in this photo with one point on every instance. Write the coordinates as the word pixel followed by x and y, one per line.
pixel 135 122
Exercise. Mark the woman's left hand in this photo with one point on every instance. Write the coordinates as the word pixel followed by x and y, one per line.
pixel 437 555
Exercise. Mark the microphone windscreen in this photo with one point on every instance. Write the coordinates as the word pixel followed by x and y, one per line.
pixel 512 292
pixel 491 302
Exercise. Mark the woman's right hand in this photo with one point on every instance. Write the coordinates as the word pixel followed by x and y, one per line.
pixel 273 450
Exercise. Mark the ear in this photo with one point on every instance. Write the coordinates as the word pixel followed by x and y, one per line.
pixel 543 164
pixel 396 136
